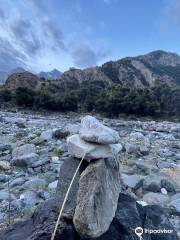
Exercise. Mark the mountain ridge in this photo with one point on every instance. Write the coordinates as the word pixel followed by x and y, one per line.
pixel 140 71
pixel 52 75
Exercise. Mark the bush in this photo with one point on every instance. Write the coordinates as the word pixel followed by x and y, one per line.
pixel 93 96
pixel 5 95
pixel 24 96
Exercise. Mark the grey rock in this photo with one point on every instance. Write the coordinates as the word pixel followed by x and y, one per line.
pixel 47 135
pixel 152 183
pixel 130 148
pixel 137 136
pixel 24 155
pixel 71 129
pixel 5 147
pixel 132 181
pixel 29 199
pixel 175 197
pixel 53 185
pixel 17 205
pixel 156 198
pixel 173 174
pixel 5 165
pixel 93 215
pixel 17 182
pixel 3 178
pixel 60 133
pixel 93 131
pixel 79 148
pixel 37 141
pixel 39 163
pixel 176 204
pixel 25 160
pixel 20 125
pixel 35 184
pixel 168 185
pixel 5 196
pixel 144 150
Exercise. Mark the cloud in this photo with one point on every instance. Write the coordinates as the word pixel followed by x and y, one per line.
pixel 10 57
pixel 30 31
pixel 85 56
pixel 172 10
pixel 2 14
pixel 31 36
pixel 55 34
pixel 24 34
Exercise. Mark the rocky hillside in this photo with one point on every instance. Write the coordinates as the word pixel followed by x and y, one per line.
pixel 24 79
pixel 140 71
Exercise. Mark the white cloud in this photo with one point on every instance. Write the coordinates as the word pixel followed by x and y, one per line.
pixel 30 37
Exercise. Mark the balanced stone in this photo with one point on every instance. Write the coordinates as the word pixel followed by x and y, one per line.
pixel 79 148
pixel 97 199
pixel 93 131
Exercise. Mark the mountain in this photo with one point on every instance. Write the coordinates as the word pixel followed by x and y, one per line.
pixel 4 75
pixel 141 71
pixel 53 75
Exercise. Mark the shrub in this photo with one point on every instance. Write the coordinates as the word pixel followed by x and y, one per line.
pixel 5 95
pixel 24 96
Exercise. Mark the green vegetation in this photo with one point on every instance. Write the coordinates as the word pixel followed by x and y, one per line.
pixel 5 95
pixel 94 96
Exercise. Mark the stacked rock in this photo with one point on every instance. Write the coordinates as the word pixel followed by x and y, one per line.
pixel 99 184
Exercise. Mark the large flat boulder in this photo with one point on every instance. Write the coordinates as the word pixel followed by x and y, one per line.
pixel 79 148
pixel 97 199
pixel 93 131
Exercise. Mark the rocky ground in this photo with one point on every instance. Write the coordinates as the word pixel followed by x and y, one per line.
pixel 33 147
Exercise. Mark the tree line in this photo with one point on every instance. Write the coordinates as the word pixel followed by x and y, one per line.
pixel 94 96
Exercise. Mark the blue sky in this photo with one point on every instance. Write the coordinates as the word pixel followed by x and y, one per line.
pixel 46 34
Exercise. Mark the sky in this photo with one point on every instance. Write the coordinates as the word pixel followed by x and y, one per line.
pixel 41 35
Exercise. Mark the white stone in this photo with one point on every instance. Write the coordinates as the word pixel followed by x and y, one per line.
pixel 55 159
pixel 142 203
pixel 79 148
pixel 53 185
pixel 164 191
pixel 5 165
pixel 93 131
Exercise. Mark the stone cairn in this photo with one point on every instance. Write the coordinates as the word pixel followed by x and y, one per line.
pixel 99 184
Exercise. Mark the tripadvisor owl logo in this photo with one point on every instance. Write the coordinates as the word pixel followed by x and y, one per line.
pixel 139 231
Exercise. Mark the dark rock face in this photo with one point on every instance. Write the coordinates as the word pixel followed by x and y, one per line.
pixel 129 215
